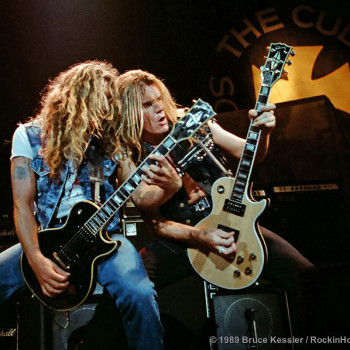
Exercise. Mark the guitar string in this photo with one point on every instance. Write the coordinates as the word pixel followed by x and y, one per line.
pixel 80 233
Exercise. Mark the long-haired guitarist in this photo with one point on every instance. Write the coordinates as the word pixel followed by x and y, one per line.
pixel 78 129
pixel 166 260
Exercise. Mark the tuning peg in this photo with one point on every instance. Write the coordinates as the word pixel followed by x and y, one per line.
pixel 289 62
pixel 292 53
pixel 285 72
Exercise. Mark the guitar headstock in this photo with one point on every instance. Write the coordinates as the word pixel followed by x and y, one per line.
pixel 275 62
pixel 199 114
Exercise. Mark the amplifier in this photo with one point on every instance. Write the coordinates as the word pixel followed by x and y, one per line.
pixel 133 226
pixel 305 188
pixel 249 319
pixel 312 217
pixel 8 238
pixel 8 326
pixel 135 231
pixel 129 210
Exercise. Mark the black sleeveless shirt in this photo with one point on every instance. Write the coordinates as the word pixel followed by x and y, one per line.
pixel 189 158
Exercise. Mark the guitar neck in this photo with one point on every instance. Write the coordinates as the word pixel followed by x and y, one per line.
pixel 121 195
pixel 247 160
pixel 199 114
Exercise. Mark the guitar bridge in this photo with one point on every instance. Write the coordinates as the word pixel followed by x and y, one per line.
pixel 234 207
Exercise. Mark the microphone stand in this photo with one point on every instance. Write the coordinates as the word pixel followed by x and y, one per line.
pixel 249 315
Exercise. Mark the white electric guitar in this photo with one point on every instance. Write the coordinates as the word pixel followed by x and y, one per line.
pixel 234 209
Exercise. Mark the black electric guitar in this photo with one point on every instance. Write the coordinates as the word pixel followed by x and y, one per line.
pixel 234 209
pixel 82 241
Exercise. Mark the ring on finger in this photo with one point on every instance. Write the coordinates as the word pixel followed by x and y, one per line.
pixel 221 249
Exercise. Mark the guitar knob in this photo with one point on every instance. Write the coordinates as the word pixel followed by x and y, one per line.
pixel 221 189
pixel 240 259
pixel 252 257
pixel 248 271
pixel 236 273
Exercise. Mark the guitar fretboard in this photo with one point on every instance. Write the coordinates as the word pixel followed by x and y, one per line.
pixel 250 149
pixel 199 114
pixel 120 196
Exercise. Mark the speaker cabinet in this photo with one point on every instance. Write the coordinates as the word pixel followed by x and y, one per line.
pixel 183 313
pixel 313 221
pixel 8 326
pixel 256 320
pixel 40 328
pixel 8 237
pixel 33 324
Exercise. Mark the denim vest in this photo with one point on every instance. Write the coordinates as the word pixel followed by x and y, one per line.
pixel 49 191
pixel 202 169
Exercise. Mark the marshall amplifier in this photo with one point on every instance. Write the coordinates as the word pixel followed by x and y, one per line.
pixel 8 238
pixel 8 235
pixel 8 326
pixel 312 217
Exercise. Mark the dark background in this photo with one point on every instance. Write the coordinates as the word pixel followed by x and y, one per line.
pixel 178 40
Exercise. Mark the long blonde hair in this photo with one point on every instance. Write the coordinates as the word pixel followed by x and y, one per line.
pixel 79 103
pixel 131 86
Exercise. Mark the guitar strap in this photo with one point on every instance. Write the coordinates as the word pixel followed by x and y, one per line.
pixel 96 179
pixel 95 160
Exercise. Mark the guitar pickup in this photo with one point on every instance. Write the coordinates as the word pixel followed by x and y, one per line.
pixel 229 229
pixel 234 207
pixel 60 262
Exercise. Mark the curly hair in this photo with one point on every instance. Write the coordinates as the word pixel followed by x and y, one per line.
pixel 131 86
pixel 80 103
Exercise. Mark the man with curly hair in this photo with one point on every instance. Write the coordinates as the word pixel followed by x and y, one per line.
pixel 50 172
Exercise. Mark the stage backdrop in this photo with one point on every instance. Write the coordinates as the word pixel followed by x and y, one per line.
pixel 201 48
